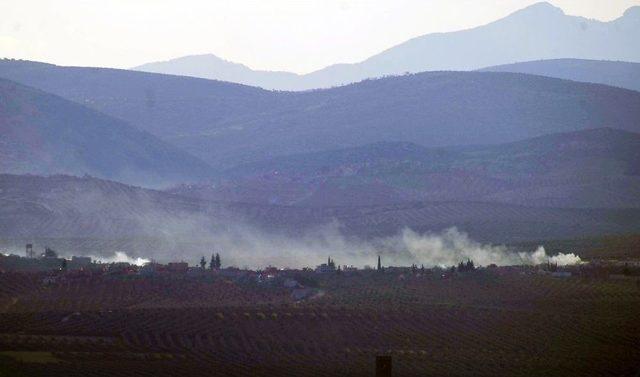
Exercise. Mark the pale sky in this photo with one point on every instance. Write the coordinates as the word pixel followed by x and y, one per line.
pixel 292 35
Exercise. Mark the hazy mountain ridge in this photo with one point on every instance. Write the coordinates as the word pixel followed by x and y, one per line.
pixel 209 66
pixel 597 168
pixel 45 134
pixel 431 109
pixel 540 31
pixel 619 74
pixel 228 124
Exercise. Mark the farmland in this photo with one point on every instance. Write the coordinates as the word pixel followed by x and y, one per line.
pixel 490 322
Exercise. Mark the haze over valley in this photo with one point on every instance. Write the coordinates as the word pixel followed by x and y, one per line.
pixel 520 143
pixel 461 199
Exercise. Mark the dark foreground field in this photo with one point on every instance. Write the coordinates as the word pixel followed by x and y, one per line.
pixel 495 322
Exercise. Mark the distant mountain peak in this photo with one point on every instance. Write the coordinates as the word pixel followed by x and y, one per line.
pixel 632 12
pixel 541 9
pixel 208 58
pixel 549 33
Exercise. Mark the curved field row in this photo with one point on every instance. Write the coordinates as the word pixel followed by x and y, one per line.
pixel 485 323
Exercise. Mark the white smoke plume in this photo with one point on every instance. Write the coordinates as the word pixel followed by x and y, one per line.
pixel 135 226
pixel 245 246
pixel 121 257
pixel 452 246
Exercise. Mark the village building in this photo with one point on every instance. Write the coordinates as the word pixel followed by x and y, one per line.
pixel 328 267
pixel 177 267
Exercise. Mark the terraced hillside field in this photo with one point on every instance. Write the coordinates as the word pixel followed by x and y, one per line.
pixel 502 322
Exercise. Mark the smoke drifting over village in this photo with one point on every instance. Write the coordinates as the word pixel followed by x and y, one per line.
pixel 159 232
pixel 247 246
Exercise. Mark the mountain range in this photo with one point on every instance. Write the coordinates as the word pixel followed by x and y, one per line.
pixel 539 32
pixel 515 152
pixel 227 124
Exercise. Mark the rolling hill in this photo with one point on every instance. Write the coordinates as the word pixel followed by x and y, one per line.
pixel 598 168
pixel 90 215
pixel 619 74
pixel 161 104
pixel 46 134
pixel 540 31
pixel 228 124
pixel 68 206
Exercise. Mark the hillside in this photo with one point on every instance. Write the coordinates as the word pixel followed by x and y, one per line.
pixel 161 104
pixel 549 34
pixel 430 109
pixel 227 124
pixel 590 169
pixel 92 216
pixel 61 206
pixel 619 74
pixel 46 134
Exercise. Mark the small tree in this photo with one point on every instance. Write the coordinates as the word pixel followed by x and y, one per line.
pixel 212 262
pixel 470 265
pixel 218 263
pixel 203 263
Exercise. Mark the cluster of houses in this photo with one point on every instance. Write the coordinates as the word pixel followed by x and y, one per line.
pixel 47 261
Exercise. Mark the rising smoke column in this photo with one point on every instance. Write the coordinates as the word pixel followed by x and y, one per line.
pixel 452 246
